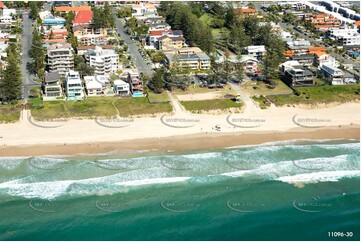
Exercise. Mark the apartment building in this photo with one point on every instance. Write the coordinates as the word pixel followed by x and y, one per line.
pixel 348 36
pixel 60 58
pixel 170 42
pixel 51 87
pixel 105 61
pixel 92 39
pixel 190 57
pixel 73 86
pixel 154 35
pixel 85 29
pixel 323 19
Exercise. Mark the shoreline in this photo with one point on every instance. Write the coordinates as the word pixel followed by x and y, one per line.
pixel 188 142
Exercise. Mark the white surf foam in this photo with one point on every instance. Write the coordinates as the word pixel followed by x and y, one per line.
pixel 322 176
pixel 153 181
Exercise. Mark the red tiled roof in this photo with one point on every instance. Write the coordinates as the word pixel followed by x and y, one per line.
pixel 1 5
pixel 245 10
pixel 74 9
pixel 159 32
pixel 357 23
pixel 83 17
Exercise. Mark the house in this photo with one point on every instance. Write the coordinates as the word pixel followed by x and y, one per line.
pixel 73 86
pixel 93 87
pixel 102 79
pixel 298 47
pixel 287 66
pixel 257 51
pixel 170 42
pixel 286 36
pixel 154 35
pixel 60 58
pixel 324 58
pixel 298 76
pixel 105 61
pixel 1 5
pixel 190 57
pixel 152 20
pixel 144 9
pixel 51 87
pixel 67 9
pixel 83 17
pixel 246 11
pixel 121 88
pixel 335 75
pixel 136 85
pixel 304 60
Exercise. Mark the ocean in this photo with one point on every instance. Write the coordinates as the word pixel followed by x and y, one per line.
pixel 294 190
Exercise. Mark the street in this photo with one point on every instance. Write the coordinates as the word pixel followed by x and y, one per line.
pixel 25 58
pixel 139 62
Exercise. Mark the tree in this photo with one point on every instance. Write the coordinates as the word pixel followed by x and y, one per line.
pixel 51 35
pixel 251 25
pixel 37 53
pixel 239 39
pixel 180 16
pixel 230 17
pixel 251 5
pixel 82 67
pixel 274 56
pixel 124 13
pixel 10 78
pixel 34 10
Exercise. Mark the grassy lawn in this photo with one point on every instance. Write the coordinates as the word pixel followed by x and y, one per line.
pixel 138 106
pixel 97 107
pixel 315 95
pixel 9 113
pixel 261 101
pixel 195 89
pixel 158 98
pixel 260 88
pixel 207 105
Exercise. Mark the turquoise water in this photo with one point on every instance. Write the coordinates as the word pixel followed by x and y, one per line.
pixel 277 191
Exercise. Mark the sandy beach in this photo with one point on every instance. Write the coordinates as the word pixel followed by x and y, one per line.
pixel 181 131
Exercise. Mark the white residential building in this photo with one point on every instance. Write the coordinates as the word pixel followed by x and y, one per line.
pixel 121 88
pixel 256 50
pixel 60 58
pixel 347 36
pixel 105 61
pixel 94 88
pixel 336 75
pixel 74 86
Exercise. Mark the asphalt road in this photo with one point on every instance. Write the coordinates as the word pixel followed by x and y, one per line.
pixel 25 58
pixel 140 63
